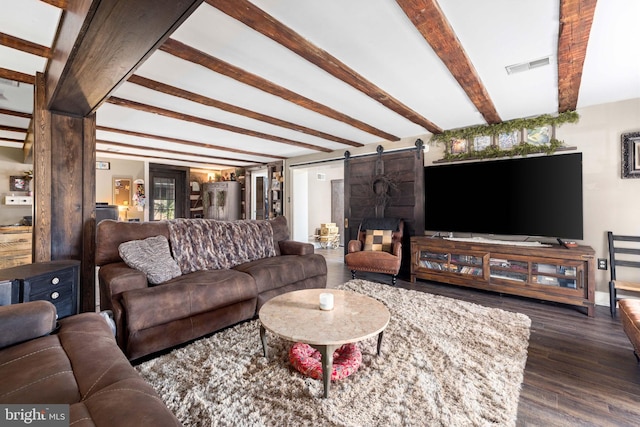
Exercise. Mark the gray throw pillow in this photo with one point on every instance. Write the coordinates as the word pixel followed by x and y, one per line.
pixel 152 256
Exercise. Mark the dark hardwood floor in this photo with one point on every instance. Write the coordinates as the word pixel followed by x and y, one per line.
pixel 580 371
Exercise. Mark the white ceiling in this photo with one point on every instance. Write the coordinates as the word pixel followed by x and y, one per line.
pixel 373 37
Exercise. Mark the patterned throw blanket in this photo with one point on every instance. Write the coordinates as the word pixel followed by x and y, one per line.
pixel 205 244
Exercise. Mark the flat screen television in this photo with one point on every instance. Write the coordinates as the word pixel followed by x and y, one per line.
pixel 529 196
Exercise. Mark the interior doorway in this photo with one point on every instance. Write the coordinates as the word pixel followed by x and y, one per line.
pixel 316 198
pixel 168 194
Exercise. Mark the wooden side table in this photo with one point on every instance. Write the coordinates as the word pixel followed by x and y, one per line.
pixel 53 281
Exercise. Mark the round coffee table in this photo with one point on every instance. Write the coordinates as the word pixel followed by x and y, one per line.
pixel 296 316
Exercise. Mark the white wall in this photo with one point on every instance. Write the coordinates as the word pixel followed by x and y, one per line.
pixel 609 202
pixel 120 168
pixel 11 164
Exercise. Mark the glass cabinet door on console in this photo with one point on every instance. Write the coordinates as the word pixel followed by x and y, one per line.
pixel 469 263
pixel 508 269
pixel 563 275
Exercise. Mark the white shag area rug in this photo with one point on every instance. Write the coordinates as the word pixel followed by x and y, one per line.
pixel 444 362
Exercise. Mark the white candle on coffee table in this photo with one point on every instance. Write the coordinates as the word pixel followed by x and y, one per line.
pixel 326 301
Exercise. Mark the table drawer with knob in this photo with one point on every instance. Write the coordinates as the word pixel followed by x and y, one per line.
pixel 61 295
pixel 46 282
pixel 58 287
pixel 53 281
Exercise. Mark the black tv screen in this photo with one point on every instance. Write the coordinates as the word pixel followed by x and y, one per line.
pixel 529 196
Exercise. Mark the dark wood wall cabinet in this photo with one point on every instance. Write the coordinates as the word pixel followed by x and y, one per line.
pixel 551 273
pixel 53 281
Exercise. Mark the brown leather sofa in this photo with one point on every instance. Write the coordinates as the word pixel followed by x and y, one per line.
pixel 630 318
pixel 153 318
pixel 74 362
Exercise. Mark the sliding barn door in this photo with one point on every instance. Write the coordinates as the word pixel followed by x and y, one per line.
pixel 385 185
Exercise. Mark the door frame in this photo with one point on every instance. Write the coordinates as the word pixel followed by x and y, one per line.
pixel 183 188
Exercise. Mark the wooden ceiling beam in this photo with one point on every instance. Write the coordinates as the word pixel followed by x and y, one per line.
pixel 61 4
pixel 429 19
pixel 188 53
pixel 194 97
pixel 25 46
pixel 256 18
pixel 159 158
pixel 15 113
pixel 101 43
pixel 576 17
pixel 186 142
pixel 167 151
pixel 12 140
pixel 17 76
pixel 12 129
pixel 211 123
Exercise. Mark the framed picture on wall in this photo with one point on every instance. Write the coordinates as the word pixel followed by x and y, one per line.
pixel 459 146
pixel 482 142
pixel 506 141
pixel 631 155
pixel 540 135
pixel 17 183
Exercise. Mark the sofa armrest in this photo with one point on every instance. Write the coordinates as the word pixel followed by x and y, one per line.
pixel 26 321
pixel 117 278
pixel 292 247
pixel 354 246
pixel 397 249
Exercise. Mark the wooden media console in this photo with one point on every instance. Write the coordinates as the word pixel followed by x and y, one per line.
pixel 550 273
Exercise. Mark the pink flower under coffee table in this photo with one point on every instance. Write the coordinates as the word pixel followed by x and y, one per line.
pixel 296 316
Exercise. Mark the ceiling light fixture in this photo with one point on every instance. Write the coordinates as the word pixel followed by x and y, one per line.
pixel 526 66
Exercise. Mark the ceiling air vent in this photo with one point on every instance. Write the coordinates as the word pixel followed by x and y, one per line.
pixel 525 66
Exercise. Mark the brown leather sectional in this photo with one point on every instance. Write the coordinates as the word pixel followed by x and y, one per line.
pixel 153 318
pixel 74 362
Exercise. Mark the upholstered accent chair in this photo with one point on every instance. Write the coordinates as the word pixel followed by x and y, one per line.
pixel 378 248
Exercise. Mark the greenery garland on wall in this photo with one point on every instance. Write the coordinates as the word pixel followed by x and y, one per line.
pixel 494 151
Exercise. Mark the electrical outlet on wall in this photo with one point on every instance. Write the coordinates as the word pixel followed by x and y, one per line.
pixel 602 263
